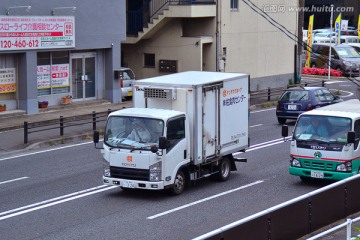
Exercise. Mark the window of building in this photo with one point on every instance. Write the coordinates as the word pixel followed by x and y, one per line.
pixel 53 73
pixel 149 60
pixel 234 4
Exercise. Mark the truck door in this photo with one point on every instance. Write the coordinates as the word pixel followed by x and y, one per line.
pixel 210 119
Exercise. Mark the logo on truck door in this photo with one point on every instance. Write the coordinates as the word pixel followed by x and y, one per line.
pixel 129 158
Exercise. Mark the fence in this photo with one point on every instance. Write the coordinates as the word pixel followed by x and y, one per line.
pixel 297 217
pixel 346 224
pixel 271 93
pixel 64 122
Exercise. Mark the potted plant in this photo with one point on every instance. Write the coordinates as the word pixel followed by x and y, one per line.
pixel 2 107
pixel 66 100
pixel 43 104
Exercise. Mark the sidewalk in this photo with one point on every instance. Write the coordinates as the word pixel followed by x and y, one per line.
pixel 12 124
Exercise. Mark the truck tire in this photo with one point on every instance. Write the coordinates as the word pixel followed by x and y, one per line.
pixel 179 183
pixel 224 169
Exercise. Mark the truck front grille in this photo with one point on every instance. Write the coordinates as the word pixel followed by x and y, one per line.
pixel 129 173
pixel 319 165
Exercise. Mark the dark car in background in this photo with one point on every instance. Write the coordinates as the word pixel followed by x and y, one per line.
pixel 344 58
pixel 297 100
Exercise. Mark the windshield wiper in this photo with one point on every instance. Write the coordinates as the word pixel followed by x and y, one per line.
pixel 302 97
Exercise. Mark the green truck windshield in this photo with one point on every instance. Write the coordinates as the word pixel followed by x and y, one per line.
pixel 322 129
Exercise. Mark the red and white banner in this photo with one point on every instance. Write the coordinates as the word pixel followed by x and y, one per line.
pixel 36 32
pixel 53 76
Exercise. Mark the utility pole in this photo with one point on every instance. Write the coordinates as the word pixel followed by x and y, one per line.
pixel 300 42
pixel 331 30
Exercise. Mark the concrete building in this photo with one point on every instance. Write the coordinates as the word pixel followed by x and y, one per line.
pixel 53 49
pixel 174 36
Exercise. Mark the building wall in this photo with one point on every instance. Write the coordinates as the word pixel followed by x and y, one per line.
pixel 255 46
pixel 99 27
pixel 169 44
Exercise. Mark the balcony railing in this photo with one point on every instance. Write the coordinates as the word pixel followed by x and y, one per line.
pixel 139 18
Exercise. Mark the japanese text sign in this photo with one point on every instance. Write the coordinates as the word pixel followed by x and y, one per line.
pixel 36 32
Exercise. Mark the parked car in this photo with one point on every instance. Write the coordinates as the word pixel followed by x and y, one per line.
pixel 344 58
pixel 297 100
pixel 356 46
pixel 127 78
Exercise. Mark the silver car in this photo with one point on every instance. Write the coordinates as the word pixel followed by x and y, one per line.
pixel 127 79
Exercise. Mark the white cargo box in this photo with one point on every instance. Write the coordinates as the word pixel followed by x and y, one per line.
pixel 216 104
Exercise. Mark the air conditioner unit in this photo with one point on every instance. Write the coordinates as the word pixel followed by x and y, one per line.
pixel 160 93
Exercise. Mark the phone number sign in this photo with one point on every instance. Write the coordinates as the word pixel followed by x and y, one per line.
pixel 36 32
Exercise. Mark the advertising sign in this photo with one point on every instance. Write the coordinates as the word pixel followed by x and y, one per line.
pixel 359 27
pixel 53 76
pixel 337 28
pixel 7 80
pixel 36 32
pixel 309 41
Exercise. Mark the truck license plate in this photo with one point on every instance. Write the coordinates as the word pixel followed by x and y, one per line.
pixel 292 107
pixel 128 184
pixel 129 93
pixel 317 174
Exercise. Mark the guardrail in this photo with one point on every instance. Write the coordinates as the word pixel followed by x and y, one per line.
pixel 297 217
pixel 64 122
pixel 346 224
pixel 271 93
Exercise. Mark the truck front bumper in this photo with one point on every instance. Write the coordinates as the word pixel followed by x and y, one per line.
pixel 126 183
pixel 329 175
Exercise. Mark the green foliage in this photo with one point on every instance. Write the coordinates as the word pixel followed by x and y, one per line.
pixel 62 140
pixel 269 104
pixel 356 237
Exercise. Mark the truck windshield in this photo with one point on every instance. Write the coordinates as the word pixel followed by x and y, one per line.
pixel 133 132
pixel 322 129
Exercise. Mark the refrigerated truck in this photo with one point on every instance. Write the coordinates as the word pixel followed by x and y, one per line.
pixel 332 152
pixel 182 127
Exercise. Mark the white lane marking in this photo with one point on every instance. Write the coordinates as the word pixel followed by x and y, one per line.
pixel 257 125
pixel 43 151
pixel 54 201
pixel 203 200
pixel 263 110
pixel 13 180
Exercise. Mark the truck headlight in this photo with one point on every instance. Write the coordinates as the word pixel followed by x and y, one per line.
pixel 106 172
pixel 344 167
pixel 347 63
pixel 295 163
pixel 155 172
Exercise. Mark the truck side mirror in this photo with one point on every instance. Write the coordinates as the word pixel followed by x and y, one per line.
pixel 163 142
pixel 285 131
pixel 351 137
pixel 96 137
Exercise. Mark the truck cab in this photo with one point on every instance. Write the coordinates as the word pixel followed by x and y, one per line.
pixel 325 142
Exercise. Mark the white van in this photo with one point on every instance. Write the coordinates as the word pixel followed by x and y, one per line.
pixel 325 142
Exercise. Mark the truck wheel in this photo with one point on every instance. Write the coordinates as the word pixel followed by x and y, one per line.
pixel 224 169
pixel 179 183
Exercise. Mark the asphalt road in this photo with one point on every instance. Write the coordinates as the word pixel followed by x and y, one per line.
pixel 58 193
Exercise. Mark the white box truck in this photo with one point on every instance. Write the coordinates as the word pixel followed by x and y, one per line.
pixel 182 127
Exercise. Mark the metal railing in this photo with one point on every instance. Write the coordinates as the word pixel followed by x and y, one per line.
pixel 64 122
pixel 271 93
pixel 346 224
pixel 139 18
